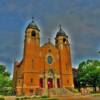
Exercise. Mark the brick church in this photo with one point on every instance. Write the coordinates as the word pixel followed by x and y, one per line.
pixel 43 67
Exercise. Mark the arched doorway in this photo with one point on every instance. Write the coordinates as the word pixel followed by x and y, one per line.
pixel 58 83
pixel 50 83
pixel 41 82
pixel 50 79
pixel 31 92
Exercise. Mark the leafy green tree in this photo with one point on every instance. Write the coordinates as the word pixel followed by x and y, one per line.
pixel 5 81
pixel 89 73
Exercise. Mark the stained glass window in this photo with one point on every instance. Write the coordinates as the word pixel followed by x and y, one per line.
pixel 50 59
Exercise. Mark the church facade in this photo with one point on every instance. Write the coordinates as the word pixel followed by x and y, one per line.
pixel 43 67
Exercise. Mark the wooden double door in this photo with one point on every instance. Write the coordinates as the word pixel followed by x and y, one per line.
pixel 50 83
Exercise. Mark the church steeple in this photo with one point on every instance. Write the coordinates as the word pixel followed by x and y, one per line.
pixel 33 25
pixel 32 31
pixel 61 37
pixel 49 40
pixel 61 32
pixel 32 38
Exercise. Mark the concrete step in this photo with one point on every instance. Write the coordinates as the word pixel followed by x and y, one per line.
pixel 60 92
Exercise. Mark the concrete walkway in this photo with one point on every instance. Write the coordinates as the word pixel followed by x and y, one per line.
pixel 79 98
pixel 10 97
pixel 63 98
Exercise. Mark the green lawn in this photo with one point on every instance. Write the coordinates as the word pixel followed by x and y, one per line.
pixel 95 94
pixel 35 98
pixel 1 98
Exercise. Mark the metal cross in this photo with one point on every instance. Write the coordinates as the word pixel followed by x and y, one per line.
pixel 49 39
pixel 60 26
pixel 32 19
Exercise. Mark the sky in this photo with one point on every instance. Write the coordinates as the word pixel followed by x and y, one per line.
pixel 80 19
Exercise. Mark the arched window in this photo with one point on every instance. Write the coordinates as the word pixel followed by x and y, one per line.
pixel 56 41
pixel 50 83
pixel 50 59
pixel 58 83
pixel 67 81
pixel 64 40
pixel 41 82
pixel 31 80
pixel 32 63
pixel 33 33
pixel 31 92
pixel 19 81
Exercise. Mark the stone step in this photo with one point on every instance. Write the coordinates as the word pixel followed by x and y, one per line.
pixel 60 92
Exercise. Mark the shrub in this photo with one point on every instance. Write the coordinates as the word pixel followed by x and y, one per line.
pixel 52 99
pixel 27 97
pixel 23 98
pixel 2 98
pixel 17 98
pixel 44 96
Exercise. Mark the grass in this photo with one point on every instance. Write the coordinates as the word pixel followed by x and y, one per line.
pixel 95 94
pixel 35 98
pixel 2 98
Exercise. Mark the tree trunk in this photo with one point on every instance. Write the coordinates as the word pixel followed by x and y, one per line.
pixel 94 88
pixel 99 88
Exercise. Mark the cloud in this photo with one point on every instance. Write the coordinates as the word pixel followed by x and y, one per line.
pixel 79 19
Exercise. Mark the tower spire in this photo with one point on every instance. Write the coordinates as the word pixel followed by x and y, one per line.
pixel 33 25
pixel 49 40
pixel 60 26
pixel 61 32
pixel 32 19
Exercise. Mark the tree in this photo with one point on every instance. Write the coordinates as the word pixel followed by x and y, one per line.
pixel 89 73
pixel 5 81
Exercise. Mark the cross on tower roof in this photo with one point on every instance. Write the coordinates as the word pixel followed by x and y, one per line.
pixel 60 26
pixel 49 40
pixel 32 19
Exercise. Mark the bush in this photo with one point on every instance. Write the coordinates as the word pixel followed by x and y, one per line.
pixel 2 98
pixel 44 96
pixel 18 98
pixel 27 97
pixel 23 98
pixel 52 99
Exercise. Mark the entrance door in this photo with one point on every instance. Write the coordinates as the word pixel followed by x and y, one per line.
pixel 31 91
pixel 50 83
pixel 58 83
pixel 41 82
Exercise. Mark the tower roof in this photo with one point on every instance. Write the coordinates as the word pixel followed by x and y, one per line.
pixel 61 32
pixel 33 25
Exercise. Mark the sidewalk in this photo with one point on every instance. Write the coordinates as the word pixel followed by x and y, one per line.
pixel 10 97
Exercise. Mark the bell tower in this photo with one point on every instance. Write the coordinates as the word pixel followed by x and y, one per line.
pixel 32 39
pixel 65 65
pixel 31 46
